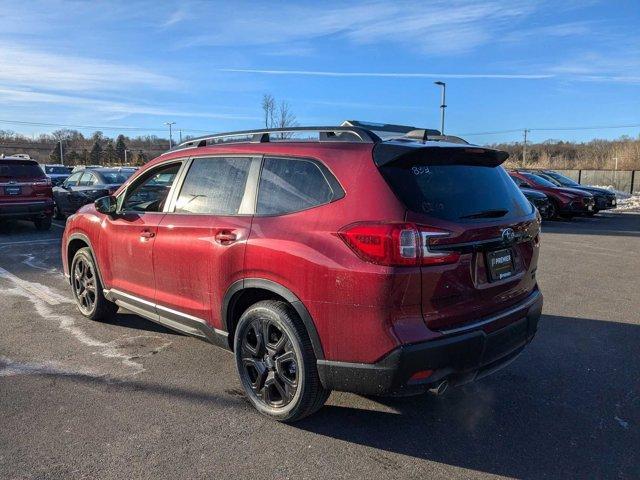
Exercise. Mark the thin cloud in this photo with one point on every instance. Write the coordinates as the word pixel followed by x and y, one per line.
pixel 442 28
pixel 320 73
pixel 16 97
pixel 175 17
pixel 25 67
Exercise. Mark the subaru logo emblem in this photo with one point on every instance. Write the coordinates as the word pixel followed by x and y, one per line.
pixel 508 235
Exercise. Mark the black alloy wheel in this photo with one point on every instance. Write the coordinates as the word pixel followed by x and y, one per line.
pixel 276 362
pixel 270 362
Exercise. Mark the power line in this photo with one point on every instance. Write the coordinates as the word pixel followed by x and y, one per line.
pixel 95 127
pixel 153 129
pixel 549 129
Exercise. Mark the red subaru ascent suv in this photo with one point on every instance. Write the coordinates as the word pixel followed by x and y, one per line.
pixel 325 258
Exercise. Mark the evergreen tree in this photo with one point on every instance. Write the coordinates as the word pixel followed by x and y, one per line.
pixel 54 156
pixel 96 154
pixel 72 158
pixel 121 148
pixel 110 156
pixel 84 157
pixel 141 158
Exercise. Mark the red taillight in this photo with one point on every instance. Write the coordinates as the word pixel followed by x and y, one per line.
pixel 383 243
pixel 431 257
pixel 396 244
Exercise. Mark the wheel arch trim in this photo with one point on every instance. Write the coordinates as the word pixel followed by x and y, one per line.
pixel 233 294
pixel 85 239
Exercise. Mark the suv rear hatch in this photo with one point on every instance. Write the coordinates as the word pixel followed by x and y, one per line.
pixel 478 233
pixel 23 181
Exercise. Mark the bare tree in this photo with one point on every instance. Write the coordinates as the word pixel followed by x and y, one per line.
pixel 286 117
pixel 269 109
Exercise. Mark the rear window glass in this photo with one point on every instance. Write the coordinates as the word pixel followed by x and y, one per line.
pixel 290 185
pixel 57 170
pixel 116 178
pixel 457 192
pixel 10 169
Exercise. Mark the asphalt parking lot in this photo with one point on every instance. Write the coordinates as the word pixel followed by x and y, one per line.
pixel 129 399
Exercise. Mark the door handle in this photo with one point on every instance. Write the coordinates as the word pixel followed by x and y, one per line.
pixel 147 234
pixel 226 237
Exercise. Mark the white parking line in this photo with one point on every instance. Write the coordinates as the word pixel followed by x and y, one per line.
pixel 28 242
pixel 59 225
pixel 40 291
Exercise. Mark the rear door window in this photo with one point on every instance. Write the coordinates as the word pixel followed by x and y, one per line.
pixel 87 179
pixel 72 181
pixel 18 170
pixel 214 186
pixel 457 192
pixel 290 185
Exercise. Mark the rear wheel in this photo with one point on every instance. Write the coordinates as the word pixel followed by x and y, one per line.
pixel 43 224
pixel 552 211
pixel 87 289
pixel 57 213
pixel 276 363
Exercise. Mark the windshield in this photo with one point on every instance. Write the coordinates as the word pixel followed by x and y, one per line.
pixel 15 169
pixel 455 192
pixel 566 181
pixel 116 178
pixel 538 180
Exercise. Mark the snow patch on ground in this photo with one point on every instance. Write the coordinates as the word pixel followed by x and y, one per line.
pixel 626 201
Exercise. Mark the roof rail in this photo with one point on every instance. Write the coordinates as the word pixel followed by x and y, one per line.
pixel 325 134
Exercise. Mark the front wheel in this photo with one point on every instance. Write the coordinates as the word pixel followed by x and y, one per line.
pixel 276 363
pixel 87 289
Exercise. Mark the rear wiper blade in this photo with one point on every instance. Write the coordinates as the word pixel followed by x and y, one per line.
pixel 487 214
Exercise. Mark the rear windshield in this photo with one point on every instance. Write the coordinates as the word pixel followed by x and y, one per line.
pixel 116 177
pixel 57 170
pixel 14 169
pixel 457 192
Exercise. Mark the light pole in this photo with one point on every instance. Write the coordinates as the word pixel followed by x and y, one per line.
pixel 443 105
pixel 61 153
pixel 170 139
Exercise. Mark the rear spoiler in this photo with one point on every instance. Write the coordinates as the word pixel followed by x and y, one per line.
pixel 386 153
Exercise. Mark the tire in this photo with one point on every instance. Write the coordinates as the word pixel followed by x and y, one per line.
pixel 43 224
pixel 57 213
pixel 87 288
pixel 552 211
pixel 279 376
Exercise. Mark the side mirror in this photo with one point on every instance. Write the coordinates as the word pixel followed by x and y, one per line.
pixel 106 205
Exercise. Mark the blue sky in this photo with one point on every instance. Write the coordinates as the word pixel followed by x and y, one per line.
pixel 508 64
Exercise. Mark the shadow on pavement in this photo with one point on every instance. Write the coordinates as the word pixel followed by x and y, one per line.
pixel 131 320
pixel 567 408
pixel 614 224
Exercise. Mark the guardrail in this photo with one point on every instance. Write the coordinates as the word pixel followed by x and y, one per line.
pixel 627 181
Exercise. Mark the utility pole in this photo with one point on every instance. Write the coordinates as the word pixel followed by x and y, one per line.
pixel 170 139
pixel 125 156
pixel 180 135
pixel 61 154
pixel 443 104
pixel 524 147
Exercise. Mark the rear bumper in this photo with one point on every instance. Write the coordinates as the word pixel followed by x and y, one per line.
pixel 458 358
pixel 40 208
